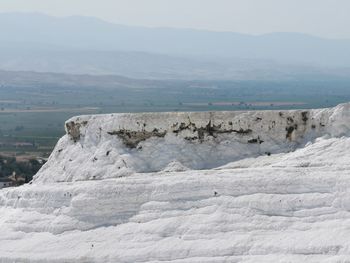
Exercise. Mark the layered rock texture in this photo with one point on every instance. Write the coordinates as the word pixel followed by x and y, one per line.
pixel 267 186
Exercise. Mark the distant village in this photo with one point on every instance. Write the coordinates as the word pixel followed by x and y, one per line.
pixel 15 172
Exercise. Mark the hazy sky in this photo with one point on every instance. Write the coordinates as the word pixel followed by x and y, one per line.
pixel 328 18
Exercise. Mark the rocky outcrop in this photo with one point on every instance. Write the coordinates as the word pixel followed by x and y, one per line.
pixel 114 145
pixel 282 195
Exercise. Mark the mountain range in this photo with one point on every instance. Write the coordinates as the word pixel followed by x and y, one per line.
pixel 86 45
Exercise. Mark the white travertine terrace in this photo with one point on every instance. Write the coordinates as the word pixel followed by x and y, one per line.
pixel 114 145
pixel 265 186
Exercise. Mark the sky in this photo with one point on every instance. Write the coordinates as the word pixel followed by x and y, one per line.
pixel 325 18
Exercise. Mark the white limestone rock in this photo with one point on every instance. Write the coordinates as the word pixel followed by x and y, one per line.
pixel 104 197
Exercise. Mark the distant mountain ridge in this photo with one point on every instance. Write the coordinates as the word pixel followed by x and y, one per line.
pixel 31 31
pixel 141 65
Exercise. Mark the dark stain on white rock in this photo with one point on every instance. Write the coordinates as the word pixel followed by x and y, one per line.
pixel 212 130
pixel 132 138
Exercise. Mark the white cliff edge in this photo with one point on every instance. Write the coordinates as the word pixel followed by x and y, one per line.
pixel 268 186
pixel 115 145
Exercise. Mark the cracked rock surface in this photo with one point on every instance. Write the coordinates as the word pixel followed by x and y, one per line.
pixel 188 187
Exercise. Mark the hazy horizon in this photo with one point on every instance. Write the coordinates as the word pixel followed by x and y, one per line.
pixel 322 18
pixel 170 27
